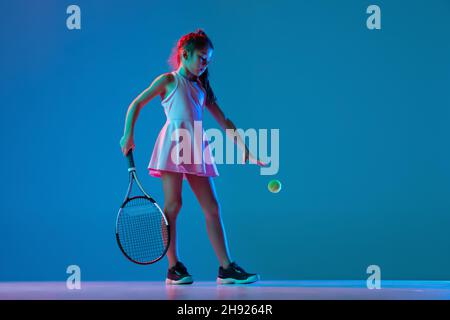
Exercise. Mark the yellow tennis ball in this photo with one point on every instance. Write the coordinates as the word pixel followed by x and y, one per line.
pixel 274 186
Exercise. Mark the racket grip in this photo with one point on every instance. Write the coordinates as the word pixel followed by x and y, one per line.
pixel 130 159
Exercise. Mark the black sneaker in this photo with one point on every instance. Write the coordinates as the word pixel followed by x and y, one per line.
pixel 235 275
pixel 178 274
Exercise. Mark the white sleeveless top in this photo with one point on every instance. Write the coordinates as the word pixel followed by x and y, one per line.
pixel 186 101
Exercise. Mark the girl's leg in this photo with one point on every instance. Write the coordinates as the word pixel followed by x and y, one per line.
pixel 204 190
pixel 172 183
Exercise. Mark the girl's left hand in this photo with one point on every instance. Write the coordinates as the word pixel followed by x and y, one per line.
pixel 248 156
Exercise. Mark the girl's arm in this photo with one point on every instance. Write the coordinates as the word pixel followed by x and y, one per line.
pixel 157 87
pixel 226 123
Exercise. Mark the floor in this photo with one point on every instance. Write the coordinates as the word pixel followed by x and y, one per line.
pixel 263 290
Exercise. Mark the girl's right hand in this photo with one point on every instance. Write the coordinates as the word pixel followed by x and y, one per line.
pixel 126 144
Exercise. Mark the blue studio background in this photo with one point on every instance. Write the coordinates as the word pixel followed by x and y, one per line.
pixel 363 118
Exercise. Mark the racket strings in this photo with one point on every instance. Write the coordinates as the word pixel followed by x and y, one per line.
pixel 142 231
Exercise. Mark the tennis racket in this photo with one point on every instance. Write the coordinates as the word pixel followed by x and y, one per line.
pixel 142 230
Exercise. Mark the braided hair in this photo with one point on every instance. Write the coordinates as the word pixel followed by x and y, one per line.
pixel 190 42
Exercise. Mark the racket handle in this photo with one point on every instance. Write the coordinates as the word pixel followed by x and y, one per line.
pixel 130 159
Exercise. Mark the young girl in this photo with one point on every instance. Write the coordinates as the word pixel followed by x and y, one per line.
pixel 184 93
